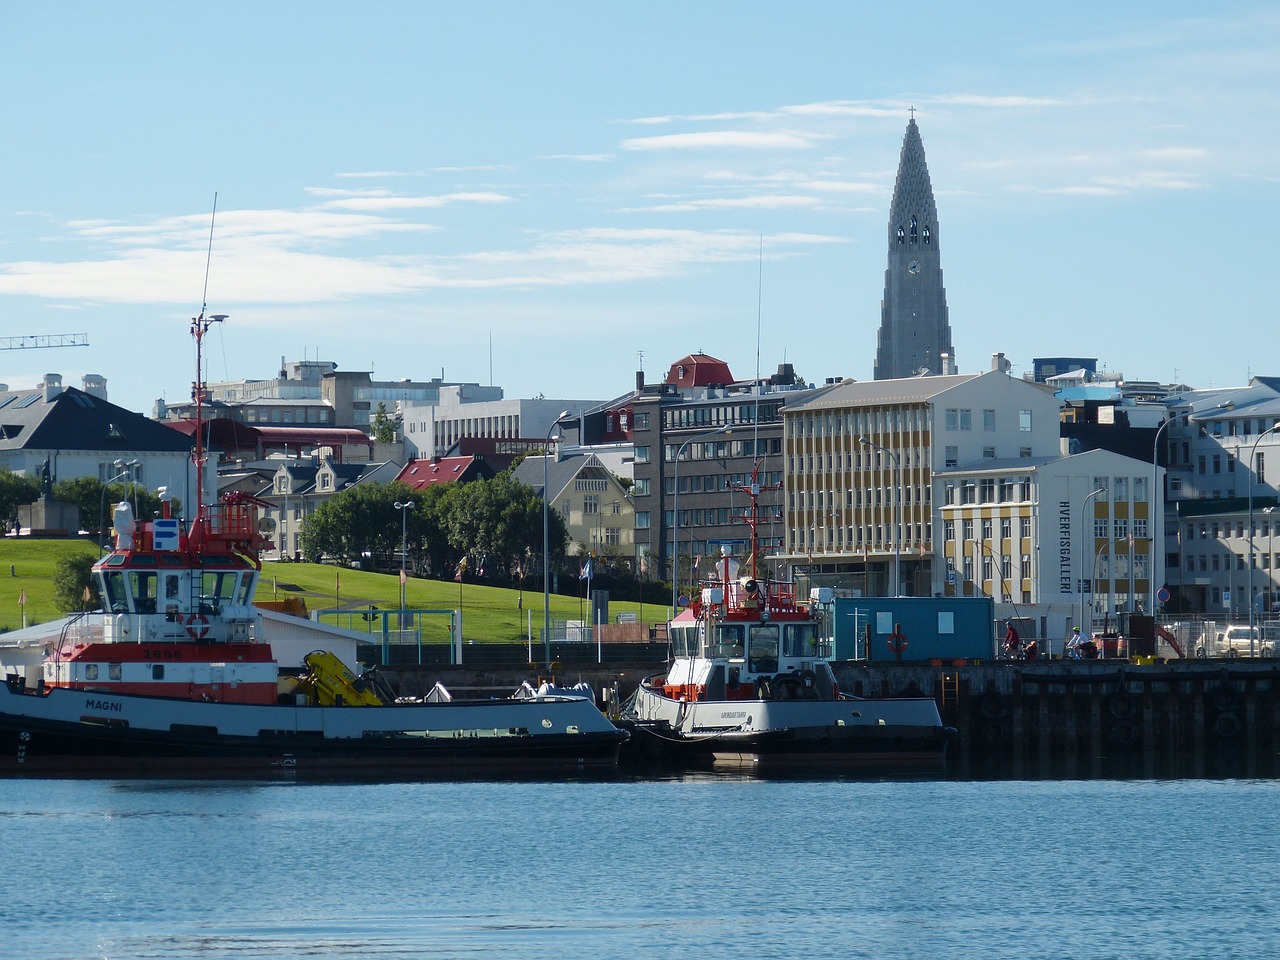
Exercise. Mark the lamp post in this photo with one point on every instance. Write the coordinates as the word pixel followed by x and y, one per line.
pixel 404 508
pixel 546 540
pixel 896 586
pixel 1157 524
pixel 1083 531
pixel 675 513
pixel 1252 466
pixel 1271 556
pixel 102 507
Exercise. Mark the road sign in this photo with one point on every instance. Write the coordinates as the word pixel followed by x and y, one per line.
pixel 1163 594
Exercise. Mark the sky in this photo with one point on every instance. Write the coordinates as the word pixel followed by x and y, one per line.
pixel 550 196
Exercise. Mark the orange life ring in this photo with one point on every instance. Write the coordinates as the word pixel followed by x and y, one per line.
pixel 200 632
pixel 897 642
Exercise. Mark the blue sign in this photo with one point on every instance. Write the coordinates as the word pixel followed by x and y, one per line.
pixel 164 534
pixel 1163 594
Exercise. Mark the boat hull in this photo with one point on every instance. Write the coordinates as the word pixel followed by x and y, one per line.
pixel 79 733
pixel 905 733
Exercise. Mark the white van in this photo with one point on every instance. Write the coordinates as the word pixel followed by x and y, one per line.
pixel 1232 640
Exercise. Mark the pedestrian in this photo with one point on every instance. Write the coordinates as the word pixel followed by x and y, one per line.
pixel 1012 642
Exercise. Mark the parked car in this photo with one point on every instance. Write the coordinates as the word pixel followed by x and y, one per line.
pixel 1233 640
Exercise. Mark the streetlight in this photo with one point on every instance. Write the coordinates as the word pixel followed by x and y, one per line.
pixel 897 518
pixel 1083 531
pixel 102 507
pixel 1157 525
pixel 546 540
pixel 675 519
pixel 1253 452
pixel 404 509
pixel 1271 556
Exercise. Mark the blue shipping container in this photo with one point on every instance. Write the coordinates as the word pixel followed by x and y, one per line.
pixel 914 628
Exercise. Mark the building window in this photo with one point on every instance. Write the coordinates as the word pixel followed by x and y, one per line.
pixel 987 490
pixel 989 453
pixel 642 454
pixel 642 519
pixel 590 504
pixel 952 456
pixel 988 420
pixel 966 419
pixel 967 528
pixel 948 530
pixel 1024 421
pixel 952 418
pixel 1006 528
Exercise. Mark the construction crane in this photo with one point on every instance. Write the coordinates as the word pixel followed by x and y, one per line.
pixel 46 340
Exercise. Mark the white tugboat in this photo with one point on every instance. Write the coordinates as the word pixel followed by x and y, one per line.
pixel 173 677
pixel 747 685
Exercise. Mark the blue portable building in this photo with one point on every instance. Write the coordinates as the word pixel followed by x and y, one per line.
pixel 914 628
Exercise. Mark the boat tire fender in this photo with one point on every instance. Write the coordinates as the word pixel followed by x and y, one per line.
pixel 808 680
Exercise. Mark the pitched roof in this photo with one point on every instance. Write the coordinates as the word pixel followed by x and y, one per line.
pixel 902 390
pixel 420 474
pixel 75 420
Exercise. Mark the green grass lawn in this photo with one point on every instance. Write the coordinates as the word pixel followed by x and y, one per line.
pixel 488 613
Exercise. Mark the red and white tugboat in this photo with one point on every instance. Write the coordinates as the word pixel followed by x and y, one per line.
pixel 748 685
pixel 173 676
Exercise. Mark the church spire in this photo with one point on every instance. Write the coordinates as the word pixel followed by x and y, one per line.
pixel 914 333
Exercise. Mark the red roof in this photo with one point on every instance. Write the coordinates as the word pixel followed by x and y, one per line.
pixel 699 370
pixel 419 474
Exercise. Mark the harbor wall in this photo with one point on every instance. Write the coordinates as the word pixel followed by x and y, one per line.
pixel 1034 720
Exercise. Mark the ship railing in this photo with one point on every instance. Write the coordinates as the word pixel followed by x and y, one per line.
pixel 782 596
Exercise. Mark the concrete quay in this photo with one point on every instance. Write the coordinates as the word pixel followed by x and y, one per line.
pixel 1034 720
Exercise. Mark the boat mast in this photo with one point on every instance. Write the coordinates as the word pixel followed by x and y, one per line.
pixel 199 325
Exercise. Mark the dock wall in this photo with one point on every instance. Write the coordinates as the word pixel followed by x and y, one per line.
pixel 1051 719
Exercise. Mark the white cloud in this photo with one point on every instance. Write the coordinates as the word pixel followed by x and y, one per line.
pixel 720 139
pixel 415 203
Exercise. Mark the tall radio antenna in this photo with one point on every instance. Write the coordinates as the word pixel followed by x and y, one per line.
pixel 204 296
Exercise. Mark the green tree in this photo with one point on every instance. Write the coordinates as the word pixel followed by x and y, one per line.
pixel 385 426
pixel 74 587
pixel 360 520
pixel 15 490
pixel 500 521
pixel 96 510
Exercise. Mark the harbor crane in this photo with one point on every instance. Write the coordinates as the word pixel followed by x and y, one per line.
pixel 45 340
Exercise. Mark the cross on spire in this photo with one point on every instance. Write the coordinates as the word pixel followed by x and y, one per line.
pixel 912 111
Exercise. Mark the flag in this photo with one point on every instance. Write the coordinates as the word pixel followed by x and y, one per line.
pixel 461 571
pixel 585 572
pixel 483 558
pixel 404 577
pixel 22 597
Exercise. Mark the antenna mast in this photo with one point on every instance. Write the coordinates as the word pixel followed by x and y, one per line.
pixel 199 325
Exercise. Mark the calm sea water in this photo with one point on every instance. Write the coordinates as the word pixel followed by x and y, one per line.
pixel 702 867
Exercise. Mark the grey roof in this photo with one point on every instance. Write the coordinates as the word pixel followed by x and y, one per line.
pixel 559 473
pixel 905 390
pixel 1002 465
pixel 75 420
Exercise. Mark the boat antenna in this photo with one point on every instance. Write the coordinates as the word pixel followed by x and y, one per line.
pixel 199 325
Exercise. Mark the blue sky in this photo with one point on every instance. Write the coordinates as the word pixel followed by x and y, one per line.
pixel 401 185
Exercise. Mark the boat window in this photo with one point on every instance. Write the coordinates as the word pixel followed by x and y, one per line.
pixel 727 640
pixel 142 585
pixel 217 589
pixel 114 595
pixel 246 590
pixel 800 640
pixel 171 586
pixel 762 656
pixel 685 641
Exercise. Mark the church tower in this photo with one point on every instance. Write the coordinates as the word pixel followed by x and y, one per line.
pixel 914 333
